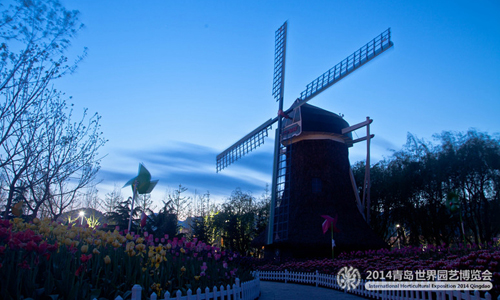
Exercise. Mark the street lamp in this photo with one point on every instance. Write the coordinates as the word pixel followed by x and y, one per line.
pixel 82 214
pixel 397 230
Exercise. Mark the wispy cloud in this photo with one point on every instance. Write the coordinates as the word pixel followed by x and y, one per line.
pixel 191 165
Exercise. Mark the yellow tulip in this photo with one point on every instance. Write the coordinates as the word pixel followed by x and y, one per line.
pixel 85 248
pixel 130 246
pixel 140 247
pixel 107 260
pixel 183 269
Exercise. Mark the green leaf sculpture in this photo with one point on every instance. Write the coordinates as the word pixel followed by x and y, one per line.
pixel 142 182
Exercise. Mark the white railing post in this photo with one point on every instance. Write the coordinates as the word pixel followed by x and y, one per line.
pixel 215 292
pixel 286 276
pixel 237 289
pixel 136 292
pixel 439 295
pixel 153 296
pixel 167 295
pixel 476 295
pixel 317 278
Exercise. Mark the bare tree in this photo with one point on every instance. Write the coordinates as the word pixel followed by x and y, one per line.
pixel 112 199
pixel 46 157
pixel 177 202
pixel 145 202
pixel 201 204
pixel 90 198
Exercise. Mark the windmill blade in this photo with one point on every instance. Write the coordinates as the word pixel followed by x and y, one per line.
pixel 256 138
pixel 279 62
pixel 245 145
pixel 372 49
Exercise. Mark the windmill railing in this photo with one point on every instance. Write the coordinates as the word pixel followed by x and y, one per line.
pixel 361 56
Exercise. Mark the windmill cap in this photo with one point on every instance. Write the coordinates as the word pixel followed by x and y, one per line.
pixel 315 119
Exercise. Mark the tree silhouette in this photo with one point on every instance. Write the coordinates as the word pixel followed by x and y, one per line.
pixel 411 189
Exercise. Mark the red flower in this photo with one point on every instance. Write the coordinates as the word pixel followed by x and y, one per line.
pixel 4 233
pixel 52 248
pixel 42 247
pixel 84 258
pixel 24 265
pixel 79 270
pixel 14 244
pixel 144 218
pixel 5 223
pixel 47 256
pixel 31 246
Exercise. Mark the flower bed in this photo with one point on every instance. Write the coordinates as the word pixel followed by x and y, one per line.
pixel 486 257
pixel 44 258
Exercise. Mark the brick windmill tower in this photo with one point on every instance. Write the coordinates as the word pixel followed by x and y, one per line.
pixel 318 181
pixel 311 170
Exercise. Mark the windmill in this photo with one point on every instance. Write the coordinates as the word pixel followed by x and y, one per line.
pixel 302 130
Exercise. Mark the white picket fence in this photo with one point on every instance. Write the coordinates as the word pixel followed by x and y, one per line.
pixel 330 281
pixel 249 290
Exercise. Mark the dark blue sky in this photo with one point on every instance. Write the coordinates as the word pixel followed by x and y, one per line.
pixel 177 82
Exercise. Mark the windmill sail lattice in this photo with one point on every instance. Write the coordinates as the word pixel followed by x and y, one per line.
pixel 279 63
pixel 360 57
pixel 254 139
pixel 280 196
pixel 245 145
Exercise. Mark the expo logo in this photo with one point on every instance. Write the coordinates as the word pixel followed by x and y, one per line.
pixel 348 278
